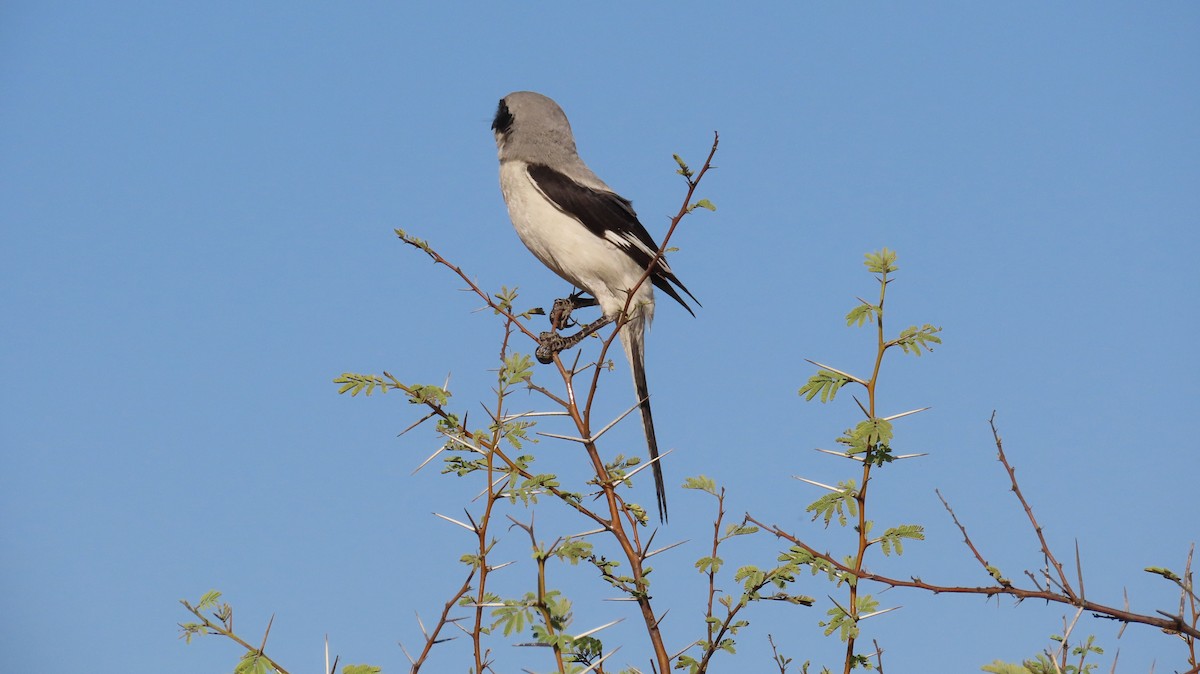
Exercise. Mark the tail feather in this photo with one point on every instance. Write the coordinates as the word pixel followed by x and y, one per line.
pixel 632 339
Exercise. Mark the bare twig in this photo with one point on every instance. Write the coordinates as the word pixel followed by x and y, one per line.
pixel 1012 476
pixel 966 538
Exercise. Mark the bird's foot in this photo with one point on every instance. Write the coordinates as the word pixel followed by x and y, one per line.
pixel 560 313
pixel 551 343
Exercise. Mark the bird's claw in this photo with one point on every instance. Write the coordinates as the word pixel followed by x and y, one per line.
pixel 551 343
pixel 560 313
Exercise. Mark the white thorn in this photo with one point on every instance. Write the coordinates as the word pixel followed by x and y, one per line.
pixel 872 615
pixel 644 466
pixel 904 414
pixel 614 422
pixel 597 629
pixel 665 548
pixel 818 484
pixel 464 443
pixel 402 649
pixel 837 371
pixel 522 415
pixel 843 455
pixel 426 461
pixel 485 489
pixel 581 441
pixel 600 661
pixel 451 519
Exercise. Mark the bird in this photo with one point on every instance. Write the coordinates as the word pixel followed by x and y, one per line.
pixel 584 232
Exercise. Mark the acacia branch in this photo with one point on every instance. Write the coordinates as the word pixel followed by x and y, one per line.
pixel 1170 623
pixel 1012 476
pixel 431 639
pixel 229 633
pixel 474 287
pixel 966 538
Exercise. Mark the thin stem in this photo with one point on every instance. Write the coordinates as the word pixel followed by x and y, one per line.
pixel 861 495
pixel 712 574
pixel 228 633
pixel 1012 476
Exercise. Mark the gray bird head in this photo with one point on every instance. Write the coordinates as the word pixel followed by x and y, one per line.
pixel 530 127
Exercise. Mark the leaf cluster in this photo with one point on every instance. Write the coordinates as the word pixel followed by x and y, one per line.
pixel 870 437
pixel 1044 663
pixel 838 504
pixel 843 623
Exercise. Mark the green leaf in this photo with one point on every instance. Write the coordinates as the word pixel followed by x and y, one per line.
pixel 357 383
pixel 1165 573
pixel 253 662
pixel 361 669
pixel 683 167
pixel 732 530
pixel 999 577
pixel 708 564
pixel 837 504
pixel 913 339
pixel 861 314
pixel 505 299
pixel 209 600
pixel 883 262
pixel 703 203
pixel 517 368
pixel 702 483
pixel 871 437
pixel 893 538
pixel 414 241
pixel 573 551
pixel 823 383
pixel 419 394
pixel 999 667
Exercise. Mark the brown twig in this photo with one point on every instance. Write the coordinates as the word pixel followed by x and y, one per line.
pixel 227 632
pixel 780 661
pixel 1171 623
pixel 1037 528
pixel 438 259
pixel 966 538
pixel 431 638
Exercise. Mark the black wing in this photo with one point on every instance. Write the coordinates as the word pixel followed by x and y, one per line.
pixel 612 218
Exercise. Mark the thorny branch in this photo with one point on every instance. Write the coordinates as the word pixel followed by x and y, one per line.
pixel 1170 623
pixel 226 630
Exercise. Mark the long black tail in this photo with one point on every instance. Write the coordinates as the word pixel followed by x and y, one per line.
pixel 638 365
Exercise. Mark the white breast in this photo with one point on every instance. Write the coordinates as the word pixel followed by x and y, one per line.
pixel 568 248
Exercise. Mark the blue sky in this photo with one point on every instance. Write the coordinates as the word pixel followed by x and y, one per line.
pixel 197 205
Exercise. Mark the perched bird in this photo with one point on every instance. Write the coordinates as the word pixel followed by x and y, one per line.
pixel 582 230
